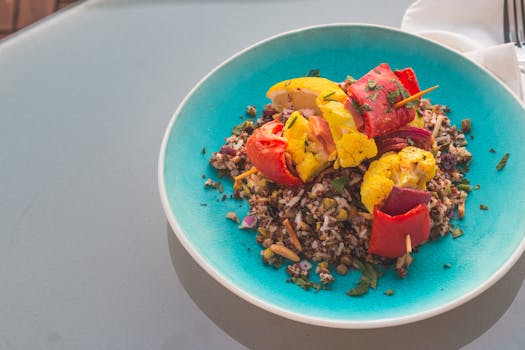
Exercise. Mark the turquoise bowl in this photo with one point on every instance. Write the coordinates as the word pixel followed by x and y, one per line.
pixel 493 239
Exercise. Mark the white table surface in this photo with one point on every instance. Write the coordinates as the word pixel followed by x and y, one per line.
pixel 84 100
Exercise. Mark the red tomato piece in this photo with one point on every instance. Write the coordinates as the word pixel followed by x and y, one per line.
pixel 266 150
pixel 389 232
pixel 407 77
pixel 319 128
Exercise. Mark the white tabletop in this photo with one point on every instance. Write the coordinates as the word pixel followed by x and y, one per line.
pixel 84 100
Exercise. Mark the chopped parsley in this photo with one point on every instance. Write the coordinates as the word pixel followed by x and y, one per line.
pixel 457 232
pixel 492 150
pixel 313 73
pixel 373 96
pixel 238 129
pixel 305 283
pixel 412 104
pixel 327 97
pixel 447 265
pixel 367 107
pixel 389 292
pixel 464 185
pixel 368 279
pixel 203 151
pixel 339 183
pixel 392 96
pixel 292 122
pixel 403 91
pixel 371 85
pixel 358 107
pixel 483 207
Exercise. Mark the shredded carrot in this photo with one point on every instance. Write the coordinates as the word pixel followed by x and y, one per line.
pixel 293 235
pixel 415 96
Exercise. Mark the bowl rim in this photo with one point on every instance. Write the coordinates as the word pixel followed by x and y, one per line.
pixel 283 312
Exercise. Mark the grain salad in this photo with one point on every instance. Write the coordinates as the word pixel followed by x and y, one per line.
pixel 331 172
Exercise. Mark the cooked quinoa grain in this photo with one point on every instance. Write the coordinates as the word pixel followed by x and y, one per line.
pixel 324 221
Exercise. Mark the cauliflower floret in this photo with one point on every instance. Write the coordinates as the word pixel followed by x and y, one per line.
pixel 375 190
pixel 352 146
pixel 412 167
pixel 417 167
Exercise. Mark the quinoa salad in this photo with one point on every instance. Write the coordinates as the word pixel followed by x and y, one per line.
pixel 351 175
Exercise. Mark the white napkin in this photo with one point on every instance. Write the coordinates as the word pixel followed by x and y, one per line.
pixel 472 27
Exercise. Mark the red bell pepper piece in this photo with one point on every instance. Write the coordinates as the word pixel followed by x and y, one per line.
pixel 389 232
pixel 407 77
pixel 373 97
pixel 266 150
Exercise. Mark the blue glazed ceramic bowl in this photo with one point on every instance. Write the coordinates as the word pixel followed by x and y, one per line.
pixel 493 240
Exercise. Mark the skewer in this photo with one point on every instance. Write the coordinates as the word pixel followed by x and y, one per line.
pixel 415 96
pixel 237 184
pixel 408 243
pixel 247 173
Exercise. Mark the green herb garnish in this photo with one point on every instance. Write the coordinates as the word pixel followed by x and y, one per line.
pixel 368 279
pixel 371 85
pixel 492 150
pixel 412 104
pixel 238 129
pixel 292 122
pixel 503 162
pixel 392 96
pixel 389 292
pixel 483 207
pixel 373 96
pixel 447 266
pixel 350 79
pixel 313 73
pixel 203 151
pixel 339 183
pixel 464 187
pixel 360 289
pixel 327 97
pixel 367 107
pixel 358 107
pixel 306 284
pixel 457 232
pixel 403 91
pixel 475 188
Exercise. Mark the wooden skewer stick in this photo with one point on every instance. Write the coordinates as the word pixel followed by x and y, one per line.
pixel 415 96
pixel 247 173
pixel 408 243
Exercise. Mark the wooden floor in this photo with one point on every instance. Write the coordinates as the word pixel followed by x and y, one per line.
pixel 16 14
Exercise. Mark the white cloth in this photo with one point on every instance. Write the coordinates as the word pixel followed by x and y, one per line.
pixel 472 27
